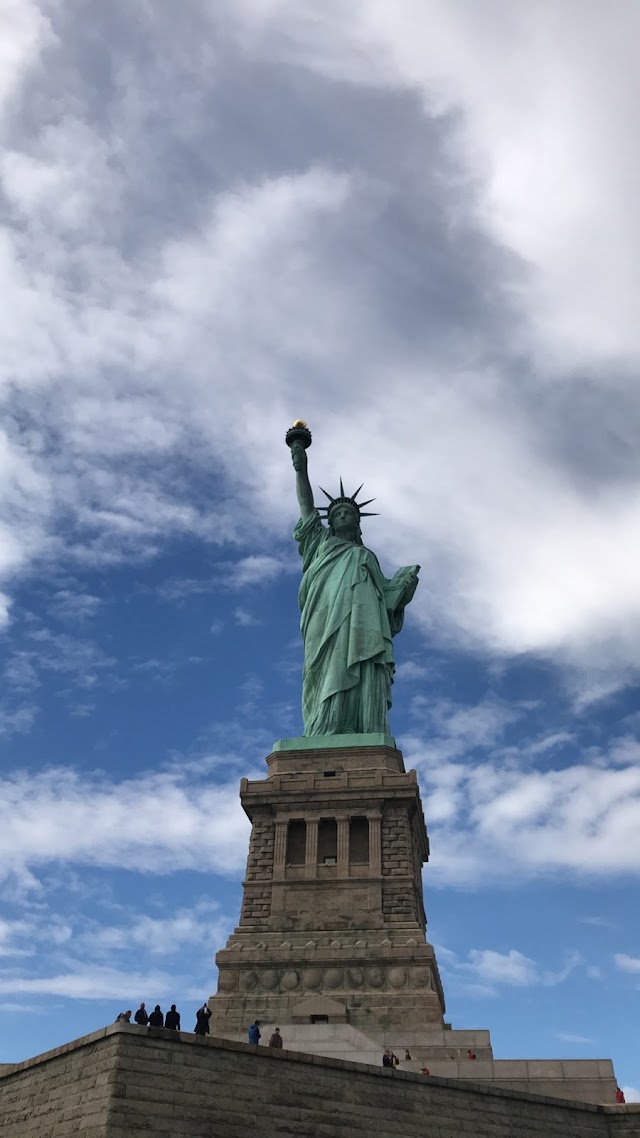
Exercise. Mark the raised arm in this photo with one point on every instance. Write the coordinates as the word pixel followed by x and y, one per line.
pixel 303 486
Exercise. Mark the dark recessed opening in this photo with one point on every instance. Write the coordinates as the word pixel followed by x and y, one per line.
pixel 329 774
pixel 318 1019
pixel 296 841
pixel 327 841
pixel 359 841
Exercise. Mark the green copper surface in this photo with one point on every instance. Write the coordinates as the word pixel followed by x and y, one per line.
pixel 322 742
pixel 350 613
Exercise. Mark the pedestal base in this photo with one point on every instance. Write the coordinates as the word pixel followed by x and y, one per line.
pixel 332 903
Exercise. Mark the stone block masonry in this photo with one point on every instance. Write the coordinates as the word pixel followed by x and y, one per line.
pixel 64 1092
pixel 332 901
pixel 126 1082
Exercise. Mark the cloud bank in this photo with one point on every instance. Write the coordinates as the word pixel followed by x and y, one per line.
pixel 453 293
pixel 154 823
pixel 495 818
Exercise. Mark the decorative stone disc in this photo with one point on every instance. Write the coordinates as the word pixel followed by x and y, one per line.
pixel 420 977
pixel 227 981
pixel 269 980
pixel 290 980
pixel 375 977
pixel 312 978
pixel 355 977
pixel 397 977
pixel 249 981
pixel 333 977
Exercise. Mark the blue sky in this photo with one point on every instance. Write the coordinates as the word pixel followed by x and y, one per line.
pixel 415 226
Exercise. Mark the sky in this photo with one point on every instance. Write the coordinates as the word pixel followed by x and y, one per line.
pixel 415 226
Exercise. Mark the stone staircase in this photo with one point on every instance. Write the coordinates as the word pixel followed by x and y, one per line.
pixel 444 1052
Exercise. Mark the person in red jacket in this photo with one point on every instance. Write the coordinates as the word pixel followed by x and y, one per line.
pixel 620 1095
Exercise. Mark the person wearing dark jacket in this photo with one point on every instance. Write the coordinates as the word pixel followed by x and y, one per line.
pixel 203 1015
pixel 276 1039
pixel 141 1016
pixel 156 1019
pixel 172 1019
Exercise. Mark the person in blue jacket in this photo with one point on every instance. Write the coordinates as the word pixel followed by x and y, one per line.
pixel 254 1032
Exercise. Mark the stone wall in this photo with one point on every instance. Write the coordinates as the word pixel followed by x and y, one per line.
pixel 397 855
pixel 626 1121
pixel 401 869
pixel 125 1082
pixel 256 904
pixel 64 1092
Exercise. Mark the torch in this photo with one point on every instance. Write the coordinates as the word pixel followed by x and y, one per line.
pixel 298 433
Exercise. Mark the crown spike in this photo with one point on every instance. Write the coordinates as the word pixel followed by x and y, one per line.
pixel 355 495
pixel 367 503
pixel 341 488
pixel 369 514
pixel 329 496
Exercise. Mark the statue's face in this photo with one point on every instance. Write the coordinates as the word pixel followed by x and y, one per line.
pixel 344 522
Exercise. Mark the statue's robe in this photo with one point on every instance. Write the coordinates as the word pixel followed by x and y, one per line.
pixel 350 612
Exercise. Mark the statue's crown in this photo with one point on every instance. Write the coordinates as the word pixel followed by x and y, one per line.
pixel 343 498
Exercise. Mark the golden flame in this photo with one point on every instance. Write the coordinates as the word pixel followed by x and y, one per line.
pixel 299 423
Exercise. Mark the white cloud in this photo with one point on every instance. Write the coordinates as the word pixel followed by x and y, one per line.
pixel 155 823
pixel 119 512
pixel 5 605
pixel 491 820
pixel 13 1008
pixel 245 618
pixel 17 937
pixel 511 968
pixel 486 970
pixel 79 957
pixel 269 296
pixel 631 1094
pixel 25 30
pixel 550 742
pixel 257 569
pixel 500 818
pixel 159 936
pixel 178 589
pixel 627 963
pixel 556 577
pixel 93 982
pixel 16 720
pixel 455 729
pixel 78 660
pixel 539 109
pixel 569 1037
pixel 68 604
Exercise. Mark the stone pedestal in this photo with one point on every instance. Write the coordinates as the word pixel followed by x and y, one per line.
pixel 332 928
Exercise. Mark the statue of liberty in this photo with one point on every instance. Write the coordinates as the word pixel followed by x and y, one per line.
pixel 350 611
